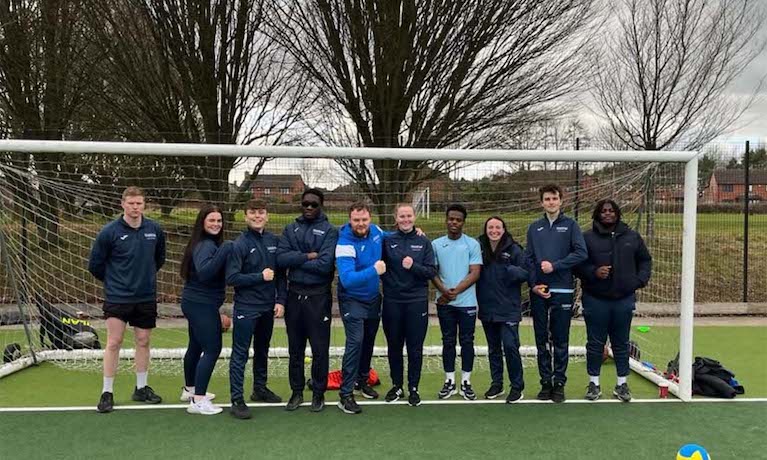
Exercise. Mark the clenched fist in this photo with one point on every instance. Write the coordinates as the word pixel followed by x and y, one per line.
pixel 407 262
pixel 268 274
pixel 380 267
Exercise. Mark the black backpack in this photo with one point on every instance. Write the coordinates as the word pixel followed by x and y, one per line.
pixel 63 330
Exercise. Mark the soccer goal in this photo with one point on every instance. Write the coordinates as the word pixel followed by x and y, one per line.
pixel 55 197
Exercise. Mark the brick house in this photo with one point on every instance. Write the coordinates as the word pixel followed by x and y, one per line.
pixel 728 186
pixel 278 187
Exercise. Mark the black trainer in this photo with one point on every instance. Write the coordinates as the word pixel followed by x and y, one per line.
pixel 106 403
pixel 593 392
pixel 494 391
pixel 622 392
pixel 240 410
pixel 545 393
pixel 295 401
pixel 467 392
pixel 264 394
pixel 558 393
pixel 146 395
pixel 414 399
pixel 349 405
pixel 395 394
pixel 318 402
pixel 514 396
pixel 448 390
pixel 366 390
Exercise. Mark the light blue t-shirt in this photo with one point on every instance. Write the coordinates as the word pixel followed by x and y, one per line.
pixel 453 258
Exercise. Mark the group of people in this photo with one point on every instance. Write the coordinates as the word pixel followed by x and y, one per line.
pixel 383 276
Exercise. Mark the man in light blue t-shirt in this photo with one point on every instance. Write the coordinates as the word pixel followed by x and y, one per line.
pixel 459 260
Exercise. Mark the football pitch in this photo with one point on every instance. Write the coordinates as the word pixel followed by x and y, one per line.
pixel 647 428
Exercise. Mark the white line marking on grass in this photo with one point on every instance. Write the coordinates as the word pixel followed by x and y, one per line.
pixel 384 403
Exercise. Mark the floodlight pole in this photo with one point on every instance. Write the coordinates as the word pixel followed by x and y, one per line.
pixel 687 304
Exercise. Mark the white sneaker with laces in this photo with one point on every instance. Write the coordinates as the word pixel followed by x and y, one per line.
pixel 203 407
pixel 188 396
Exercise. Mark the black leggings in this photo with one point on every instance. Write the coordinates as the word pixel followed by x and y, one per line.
pixel 204 344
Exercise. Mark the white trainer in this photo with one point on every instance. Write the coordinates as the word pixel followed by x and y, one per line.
pixel 203 407
pixel 188 396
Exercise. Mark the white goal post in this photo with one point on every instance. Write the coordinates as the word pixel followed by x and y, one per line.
pixel 689 158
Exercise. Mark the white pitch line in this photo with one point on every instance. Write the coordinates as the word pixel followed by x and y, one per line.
pixel 383 403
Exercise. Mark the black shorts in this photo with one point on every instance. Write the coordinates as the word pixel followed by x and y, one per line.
pixel 142 315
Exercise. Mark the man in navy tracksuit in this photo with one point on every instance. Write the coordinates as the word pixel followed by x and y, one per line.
pixel 358 259
pixel 307 250
pixel 554 247
pixel 260 292
pixel 410 265
pixel 126 256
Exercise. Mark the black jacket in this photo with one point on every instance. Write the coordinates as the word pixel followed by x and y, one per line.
pixel 625 251
pixel 399 284
pixel 500 282
pixel 302 237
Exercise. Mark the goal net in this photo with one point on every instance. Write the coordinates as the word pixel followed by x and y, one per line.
pixel 56 196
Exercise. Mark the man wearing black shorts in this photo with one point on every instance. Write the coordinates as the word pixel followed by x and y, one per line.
pixel 126 256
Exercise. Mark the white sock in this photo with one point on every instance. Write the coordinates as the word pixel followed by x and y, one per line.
pixel 466 377
pixel 189 389
pixel 108 385
pixel 594 379
pixel 621 380
pixel 450 376
pixel 141 378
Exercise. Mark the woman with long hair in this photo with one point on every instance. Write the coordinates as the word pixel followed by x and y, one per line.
pixel 618 265
pixel 203 270
pixel 499 294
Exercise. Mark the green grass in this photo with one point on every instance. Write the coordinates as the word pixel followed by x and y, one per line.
pixel 741 349
pixel 541 432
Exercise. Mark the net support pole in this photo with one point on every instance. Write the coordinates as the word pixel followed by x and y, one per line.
pixel 687 306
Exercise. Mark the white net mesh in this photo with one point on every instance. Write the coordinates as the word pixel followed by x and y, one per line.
pixel 54 205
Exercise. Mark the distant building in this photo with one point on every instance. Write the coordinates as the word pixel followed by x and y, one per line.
pixel 278 187
pixel 729 186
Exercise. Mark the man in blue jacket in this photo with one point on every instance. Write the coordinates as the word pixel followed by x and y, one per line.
pixel 260 292
pixel 126 256
pixel 358 259
pixel 410 265
pixel 555 246
pixel 307 250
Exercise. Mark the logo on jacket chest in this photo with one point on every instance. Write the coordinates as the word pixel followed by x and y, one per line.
pixel 505 255
pixel 416 247
pixel 561 229
pixel 317 232
pixel 271 249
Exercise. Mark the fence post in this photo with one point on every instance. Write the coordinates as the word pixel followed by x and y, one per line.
pixel 577 180
pixel 746 199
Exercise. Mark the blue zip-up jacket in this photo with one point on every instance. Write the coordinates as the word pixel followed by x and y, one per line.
pixel 355 257
pixel 252 252
pixel 499 289
pixel 300 238
pixel 206 282
pixel 562 244
pixel 399 284
pixel 127 260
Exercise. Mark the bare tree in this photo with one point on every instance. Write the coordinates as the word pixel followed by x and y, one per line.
pixel 199 71
pixel 662 79
pixel 45 64
pixel 417 73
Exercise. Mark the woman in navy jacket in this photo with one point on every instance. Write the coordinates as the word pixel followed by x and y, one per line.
pixel 202 268
pixel 498 294
pixel 618 265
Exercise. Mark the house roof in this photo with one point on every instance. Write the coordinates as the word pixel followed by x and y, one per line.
pixel 737 176
pixel 276 180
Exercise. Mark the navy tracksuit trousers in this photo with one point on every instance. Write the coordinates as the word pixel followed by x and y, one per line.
pixel 503 339
pixel 608 318
pixel 255 327
pixel 551 322
pixel 308 317
pixel 405 324
pixel 204 344
pixel 361 321
pixel 457 322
